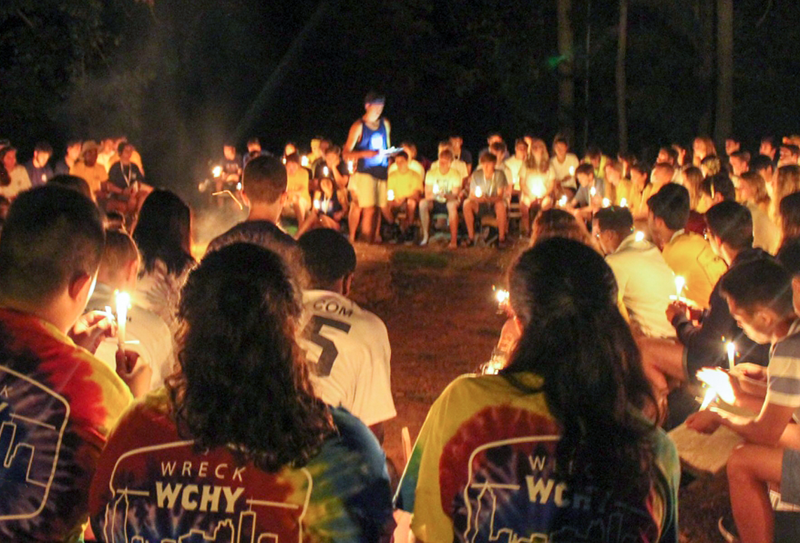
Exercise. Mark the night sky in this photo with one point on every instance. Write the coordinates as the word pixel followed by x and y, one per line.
pixel 179 77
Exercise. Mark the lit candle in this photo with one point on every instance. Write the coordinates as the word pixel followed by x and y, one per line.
pixel 731 348
pixel 623 202
pixel 478 192
pixel 390 195
pixel 123 302
pixel 680 282
pixel 217 171
pixel 572 170
pixel 325 171
pixel 239 185
pixel 304 161
pixel 283 160
pixel 606 202
pixel 562 201
pixel 350 167
pixel 435 188
pixel 592 192
pixel 501 295
pixel 639 236
pixel 316 205
pixel 719 385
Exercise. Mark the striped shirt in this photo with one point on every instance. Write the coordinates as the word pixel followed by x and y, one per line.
pixel 783 385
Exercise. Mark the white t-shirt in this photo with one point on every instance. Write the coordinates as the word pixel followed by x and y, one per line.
pixel 20 182
pixel 347 349
pixel 645 282
pixel 783 373
pixel 562 169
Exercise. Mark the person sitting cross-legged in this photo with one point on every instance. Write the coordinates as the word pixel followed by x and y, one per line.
pixel 404 189
pixel 487 196
pixel 442 189
pixel 760 297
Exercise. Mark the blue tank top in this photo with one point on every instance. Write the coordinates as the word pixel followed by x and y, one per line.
pixel 373 140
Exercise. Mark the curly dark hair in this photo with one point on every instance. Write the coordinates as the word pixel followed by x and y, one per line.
pixel 243 382
pixel 575 338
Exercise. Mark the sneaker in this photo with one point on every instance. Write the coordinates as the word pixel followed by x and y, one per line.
pixel 424 242
pixel 727 529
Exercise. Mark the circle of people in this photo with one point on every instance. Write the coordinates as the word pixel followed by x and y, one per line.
pixel 263 389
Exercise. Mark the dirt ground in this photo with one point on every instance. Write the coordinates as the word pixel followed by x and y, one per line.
pixel 439 308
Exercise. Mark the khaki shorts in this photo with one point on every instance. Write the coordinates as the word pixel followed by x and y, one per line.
pixel 369 190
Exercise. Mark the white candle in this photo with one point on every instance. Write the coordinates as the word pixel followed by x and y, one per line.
pixel 350 167
pixel 390 195
pixel 325 171
pixel 478 192
pixel 123 302
pixel 623 202
pixel 304 161
pixel 316 205
pixel 731 348
pixel 606 202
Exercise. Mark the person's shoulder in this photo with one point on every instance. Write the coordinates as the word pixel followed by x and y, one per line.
pixel 790 345
pixel 262 233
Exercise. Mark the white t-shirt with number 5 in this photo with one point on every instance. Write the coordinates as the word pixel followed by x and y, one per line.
pixel 347 350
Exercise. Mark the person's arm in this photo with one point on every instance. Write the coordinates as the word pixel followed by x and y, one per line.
pixel 703 344
pixel 766 429
pixel 352 138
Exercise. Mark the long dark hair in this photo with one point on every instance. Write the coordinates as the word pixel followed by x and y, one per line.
pixel 243 382
pixel 575 338
pixel 163 232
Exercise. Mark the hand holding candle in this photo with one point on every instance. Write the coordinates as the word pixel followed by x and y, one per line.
pixel 478 192
pixel 390 195
pixel 719 382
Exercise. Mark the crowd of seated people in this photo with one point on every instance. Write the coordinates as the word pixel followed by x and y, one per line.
pixel 244 392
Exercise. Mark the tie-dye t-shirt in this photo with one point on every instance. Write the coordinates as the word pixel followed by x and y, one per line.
pixel 482 470
pixel 153 487
pixel 57 406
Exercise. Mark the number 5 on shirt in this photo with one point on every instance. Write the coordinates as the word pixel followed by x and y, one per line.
pixel 327 357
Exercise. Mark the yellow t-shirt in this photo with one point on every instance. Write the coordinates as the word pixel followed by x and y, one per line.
pixel 404 184
pixel 690 256
pixel 94 175
pixel 298 182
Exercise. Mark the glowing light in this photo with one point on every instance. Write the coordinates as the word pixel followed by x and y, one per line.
pixel 325 171
pixel 680 282
pixel 623 202
pixel 376 142
pixel 719 381
pixel 606 202
pixel 216 171
pixel 639 236
pixel 436 188
pixel 316 205
pixel 283 160
pixel 730 347
pixel 123 302
pixel 572 170
pixel 536 186
pixel 562 201
pixel 350 166
pixel 501 295
pixel 592 192
pixel 239 186
pixel 304 161
pixel 390 195
pixel 478 192
pixel 710 396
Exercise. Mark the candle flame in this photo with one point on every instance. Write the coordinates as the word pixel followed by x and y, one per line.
pixel 592 191
pixel 123 302
pixel 719 381
pixel 562 201
pixel 316 205
pixel 325 171
pixel 710 396
pixel 217 171
pixel 623 202
pixel 730 347
pixel 606 202
pixel 390 195
pixel 680 282
pixel 304 161
pixel 501 295
pixel 639 236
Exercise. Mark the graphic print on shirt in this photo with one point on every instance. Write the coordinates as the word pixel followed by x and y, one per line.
pixel 32 423
pixel 507 492
pixel 326 351
pixel 155 492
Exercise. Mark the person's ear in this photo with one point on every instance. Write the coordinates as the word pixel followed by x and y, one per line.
pixel 131 272
pixel 82 286
pixel 347 284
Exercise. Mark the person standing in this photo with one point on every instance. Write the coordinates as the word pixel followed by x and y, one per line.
pixel 367 143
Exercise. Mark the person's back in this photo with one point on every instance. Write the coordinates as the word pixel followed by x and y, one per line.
pixel 236 447
pixel 518 455
pixel 57 402
pixel 347 347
